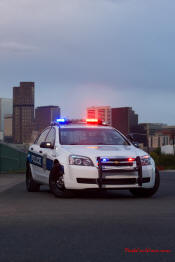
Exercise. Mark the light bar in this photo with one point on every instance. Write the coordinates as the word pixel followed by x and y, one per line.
pixel 131 159
pixel 60 120
pixel 91 120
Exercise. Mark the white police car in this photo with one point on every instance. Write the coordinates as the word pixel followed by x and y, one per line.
pixel 91 156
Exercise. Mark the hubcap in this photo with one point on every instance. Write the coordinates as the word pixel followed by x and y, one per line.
pixel 60 183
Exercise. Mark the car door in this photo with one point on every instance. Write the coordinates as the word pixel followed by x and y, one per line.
pixel 48 155
pixel 37 155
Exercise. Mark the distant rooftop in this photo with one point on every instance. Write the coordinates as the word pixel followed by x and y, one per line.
pixel 153 124
pixel 47 106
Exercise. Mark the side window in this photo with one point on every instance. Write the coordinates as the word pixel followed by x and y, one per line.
pixel 51 136
pixel 42 137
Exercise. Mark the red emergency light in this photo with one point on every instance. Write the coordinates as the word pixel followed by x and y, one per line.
pixel 91 121
pixel 131 159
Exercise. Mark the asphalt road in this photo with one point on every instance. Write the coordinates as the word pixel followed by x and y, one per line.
pixel 89 227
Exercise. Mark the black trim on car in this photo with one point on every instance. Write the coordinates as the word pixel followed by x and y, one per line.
pixel 112 181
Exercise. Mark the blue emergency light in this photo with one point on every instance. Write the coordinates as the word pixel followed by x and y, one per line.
pixel 61 120
pixel 105 159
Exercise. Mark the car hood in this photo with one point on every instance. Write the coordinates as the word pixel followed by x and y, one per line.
pixel 104 150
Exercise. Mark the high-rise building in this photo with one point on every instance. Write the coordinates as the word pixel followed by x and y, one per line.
pixel 23 112
pixel 100 112
pixel 124 119
pixel 5 109
pixel 44 115
pixel 8 128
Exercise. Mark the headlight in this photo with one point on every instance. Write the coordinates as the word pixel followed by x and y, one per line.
pixel 146 160
pixel 80 161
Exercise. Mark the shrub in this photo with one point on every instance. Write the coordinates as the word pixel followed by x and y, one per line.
pixel 163 160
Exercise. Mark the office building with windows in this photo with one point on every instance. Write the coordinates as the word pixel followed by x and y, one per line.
pixel 44 115
pixel 23 112
pixel 6 107
pixel 100 112
pixel 124 119
pixel 8 128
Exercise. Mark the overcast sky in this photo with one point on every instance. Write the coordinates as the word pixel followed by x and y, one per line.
pixel 91 52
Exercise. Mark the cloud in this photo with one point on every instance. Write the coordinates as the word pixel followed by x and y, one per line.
pixel 16 47
pixel 127 45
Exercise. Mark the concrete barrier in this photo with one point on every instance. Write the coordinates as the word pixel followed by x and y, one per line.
pixel 11 159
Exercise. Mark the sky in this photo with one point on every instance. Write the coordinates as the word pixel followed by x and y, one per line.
pixel 84 53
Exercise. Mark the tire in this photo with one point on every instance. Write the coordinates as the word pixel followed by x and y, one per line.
pixel 31 185
pixel 56 183
pixel 147 192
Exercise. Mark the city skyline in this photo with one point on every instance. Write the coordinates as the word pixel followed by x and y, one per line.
pixel 83 114
pixel 92 53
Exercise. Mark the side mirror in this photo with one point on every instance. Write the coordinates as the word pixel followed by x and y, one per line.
pixel 46 145
pixel 136 144
pixel 131 139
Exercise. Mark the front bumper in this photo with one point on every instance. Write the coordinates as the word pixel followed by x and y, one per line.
pixel 82 177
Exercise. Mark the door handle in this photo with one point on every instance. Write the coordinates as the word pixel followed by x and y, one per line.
pixel 32 148
pixel 40 152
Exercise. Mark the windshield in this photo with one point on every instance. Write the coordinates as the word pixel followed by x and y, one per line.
pixel 91 136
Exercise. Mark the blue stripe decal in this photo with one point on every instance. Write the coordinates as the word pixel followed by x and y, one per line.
pixel 49 164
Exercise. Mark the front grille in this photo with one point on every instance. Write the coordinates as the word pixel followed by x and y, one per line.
pixel 118 171
pixel 119 164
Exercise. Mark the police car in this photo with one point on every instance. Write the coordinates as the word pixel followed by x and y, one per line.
pixel 88 155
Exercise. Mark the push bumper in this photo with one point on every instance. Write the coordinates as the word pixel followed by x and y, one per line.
pixel 79 177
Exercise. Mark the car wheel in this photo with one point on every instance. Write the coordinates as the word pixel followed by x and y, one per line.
pixel 31 185
pixel 147 192
pixel 56 183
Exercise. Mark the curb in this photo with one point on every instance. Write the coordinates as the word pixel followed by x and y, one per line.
pixel 167 171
